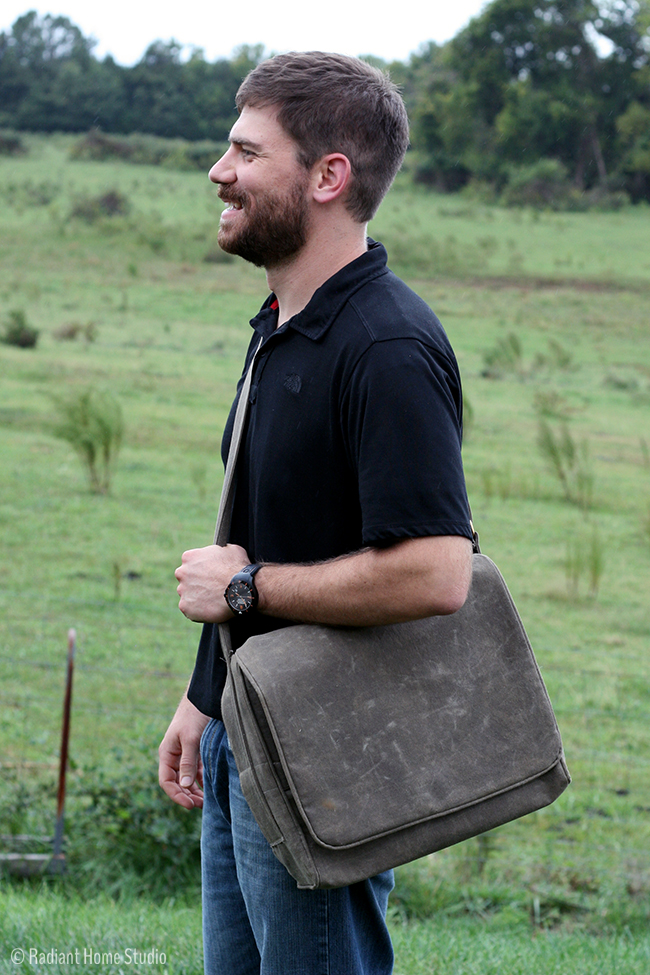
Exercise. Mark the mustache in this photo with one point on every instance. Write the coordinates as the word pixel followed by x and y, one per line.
pixel 228 194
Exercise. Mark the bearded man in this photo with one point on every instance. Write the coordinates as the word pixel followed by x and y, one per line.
pixel 350 507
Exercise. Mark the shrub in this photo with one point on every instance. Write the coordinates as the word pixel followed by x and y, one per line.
pixel 125 833
pixel 111 203
pixel 69 331
pixel 97 146
pixel 18 332
pixel 148 150
pixel 542 185
pixel 11 144
pixel 91 422
pixel 122 833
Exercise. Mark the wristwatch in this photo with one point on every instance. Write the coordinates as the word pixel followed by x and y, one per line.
pixel 241 594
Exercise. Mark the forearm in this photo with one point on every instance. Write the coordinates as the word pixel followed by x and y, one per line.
pixel 408 580
pixel 411 579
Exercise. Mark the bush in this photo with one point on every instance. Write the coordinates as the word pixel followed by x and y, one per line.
pixel 544 185
pixel 91 422
pixel 541 185
pixel 122 833
pixel 147 150
pixel 11 144
pixel 125 833
pixel 96 147
pixel 69 331
pixel 17 332
pixel 111 203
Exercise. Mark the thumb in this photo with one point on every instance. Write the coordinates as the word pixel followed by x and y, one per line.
pixel 188 768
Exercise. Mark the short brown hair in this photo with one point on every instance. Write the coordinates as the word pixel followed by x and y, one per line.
pixel 333 103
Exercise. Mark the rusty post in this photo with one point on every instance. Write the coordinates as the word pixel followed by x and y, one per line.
pixel 58 860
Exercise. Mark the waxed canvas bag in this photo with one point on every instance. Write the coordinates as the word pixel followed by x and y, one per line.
pixel 360 749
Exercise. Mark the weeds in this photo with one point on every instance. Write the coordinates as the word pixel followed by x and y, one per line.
pixel 18 332
pixel 127 832
pixel 497 481
pixel 551 404
pixel 568 460
pixel 69 331
pixel 91 422
pixel 123 834
pixel 558 357
pixel 585 555
pixel 111 203
pixel 505 357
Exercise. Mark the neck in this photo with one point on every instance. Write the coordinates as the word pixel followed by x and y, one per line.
pixel 325 253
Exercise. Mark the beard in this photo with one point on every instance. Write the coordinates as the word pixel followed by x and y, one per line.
pixel 273 232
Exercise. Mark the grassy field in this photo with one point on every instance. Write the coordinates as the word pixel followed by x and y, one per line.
pixel 64 936
pixel 549 316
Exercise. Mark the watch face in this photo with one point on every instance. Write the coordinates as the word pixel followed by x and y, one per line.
pixel 239 596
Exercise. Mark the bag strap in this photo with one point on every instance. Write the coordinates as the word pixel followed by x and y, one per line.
pixel 224 515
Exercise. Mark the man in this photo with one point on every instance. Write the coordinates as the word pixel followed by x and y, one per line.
pixel 350 501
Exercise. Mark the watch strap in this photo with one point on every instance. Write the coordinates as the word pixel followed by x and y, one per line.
pixel 252 569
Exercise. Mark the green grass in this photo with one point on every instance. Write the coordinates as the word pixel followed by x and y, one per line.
pixel 133 935
pixel 169 334
pixel 86 935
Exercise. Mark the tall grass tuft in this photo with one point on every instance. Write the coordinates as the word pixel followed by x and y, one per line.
pixel 585 555
pixel 569 460
pixel 505 357
pixel 91 421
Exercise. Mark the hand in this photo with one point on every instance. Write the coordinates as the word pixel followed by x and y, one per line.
pixel 203 576
pixel 180 772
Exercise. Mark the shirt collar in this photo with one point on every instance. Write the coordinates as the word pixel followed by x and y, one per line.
pixel 326 302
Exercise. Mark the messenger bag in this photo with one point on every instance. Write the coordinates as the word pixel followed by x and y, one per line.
pixel 363 748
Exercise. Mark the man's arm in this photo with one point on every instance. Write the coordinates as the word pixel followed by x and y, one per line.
pixel 179 764
pixel 410 579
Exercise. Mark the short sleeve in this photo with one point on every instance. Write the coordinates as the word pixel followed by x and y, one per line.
pixel 402 417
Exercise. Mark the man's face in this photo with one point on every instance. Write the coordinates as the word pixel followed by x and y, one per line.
pixel 267 221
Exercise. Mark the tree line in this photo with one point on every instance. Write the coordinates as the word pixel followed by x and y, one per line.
pixel 531 92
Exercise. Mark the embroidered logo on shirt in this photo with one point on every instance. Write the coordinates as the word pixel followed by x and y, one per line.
pixel 293 383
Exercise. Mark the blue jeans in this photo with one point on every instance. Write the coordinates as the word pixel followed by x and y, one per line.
pixel 255 919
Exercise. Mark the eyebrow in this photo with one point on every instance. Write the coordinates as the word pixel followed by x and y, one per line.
pixel 245 143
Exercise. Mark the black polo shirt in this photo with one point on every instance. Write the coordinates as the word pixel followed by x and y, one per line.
pixel 353 436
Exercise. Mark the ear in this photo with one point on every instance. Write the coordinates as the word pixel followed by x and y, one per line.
pixel 332 176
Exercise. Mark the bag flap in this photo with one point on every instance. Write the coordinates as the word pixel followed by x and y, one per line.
pixel 381 727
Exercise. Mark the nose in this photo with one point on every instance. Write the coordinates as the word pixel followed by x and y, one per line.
pixel 223 171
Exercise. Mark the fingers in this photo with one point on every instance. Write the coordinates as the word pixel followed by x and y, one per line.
pixel 180 772
pixel 202 578
pixel 190 797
